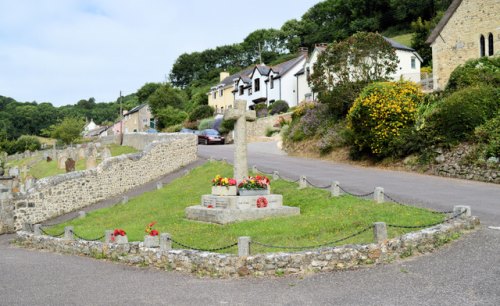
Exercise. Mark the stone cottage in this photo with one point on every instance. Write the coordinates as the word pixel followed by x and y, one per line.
pixel 469 29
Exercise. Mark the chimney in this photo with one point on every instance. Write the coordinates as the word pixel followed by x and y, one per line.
pixel 223 75
pixel 303 51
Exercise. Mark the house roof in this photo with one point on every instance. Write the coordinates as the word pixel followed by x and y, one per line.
pixel 442 23
pixel 397 45
pixel 136 109
pixel 230 79
pixel 283 68
pixel 301 71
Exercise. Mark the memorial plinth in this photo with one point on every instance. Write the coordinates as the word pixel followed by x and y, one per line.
pixel 230 209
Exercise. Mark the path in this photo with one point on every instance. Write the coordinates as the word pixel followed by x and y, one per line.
pixel 465 272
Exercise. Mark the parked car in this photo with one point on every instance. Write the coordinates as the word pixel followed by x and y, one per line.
pixel 209 136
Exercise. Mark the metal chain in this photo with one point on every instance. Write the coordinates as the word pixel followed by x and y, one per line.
pixel 427 225
pixel 204 250
pixel 312 246
pixel 81 238
pixel 55 236
pixel 316 186
pixel 356 195
pixel 402 204
pixel 287 180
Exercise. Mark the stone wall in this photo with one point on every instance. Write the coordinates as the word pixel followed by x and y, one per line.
pixel 258 127
pixel 227 265
pixel 137 140
pixel 459 39
pixel 58 195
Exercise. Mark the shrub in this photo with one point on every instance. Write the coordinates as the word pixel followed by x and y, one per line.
pixel 459 114
pixel 278 107
pixel 312 119
pixel 206 123
pixel 169 116
pixel 261 109
pixel 380 112
pixel 301 109
pixel 201 112
pixel 482 71
pixel 333 137
pixel 174 128
pixel 26 142
pixel 489 135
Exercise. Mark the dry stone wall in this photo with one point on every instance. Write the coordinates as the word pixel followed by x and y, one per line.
pixel 228 265
pixel 258 127
pixel 58 195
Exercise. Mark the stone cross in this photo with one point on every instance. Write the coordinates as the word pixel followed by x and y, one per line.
pixel 240 113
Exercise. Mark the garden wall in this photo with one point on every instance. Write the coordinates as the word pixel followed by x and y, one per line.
pixel 226 265
pixel 258 127
pixel 137 140
pixel 54 196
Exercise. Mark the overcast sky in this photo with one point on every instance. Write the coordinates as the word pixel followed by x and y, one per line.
pixel 61 51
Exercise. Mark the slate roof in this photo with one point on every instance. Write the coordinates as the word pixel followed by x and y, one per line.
pixel 136 109
pixel 230 79
pixel 283 68
pixel 442 23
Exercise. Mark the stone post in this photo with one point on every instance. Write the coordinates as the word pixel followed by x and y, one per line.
pixel 165 242
pixel 107 236
pixel 82 214
pixel 458 209
pixel 244 246
pixel 38 229
pixel 335 189
pixel 254 169
pixel 68 233
pixel 302 182
pixel 379 232
pixel 159 185
pixel 26 227
pixel 124 200
pixel 276 175
pixel 378 195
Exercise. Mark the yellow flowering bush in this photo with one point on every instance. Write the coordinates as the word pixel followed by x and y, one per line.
pixel 379 114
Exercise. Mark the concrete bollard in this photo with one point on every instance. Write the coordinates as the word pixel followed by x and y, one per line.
pixel 159 185
pixel 82 214
pixel 378 195
pixel 224 160
pixel 107 236
pixel 38 229
pixel 211 159
pixel 165 242
pixel 302 182
pixel 27 227
pixel 124 200
pixel 379 232
pixel 276 175
pixel 254 169
pixel 335 189
pixel 244 246
pixel 458 209
pixel 68 233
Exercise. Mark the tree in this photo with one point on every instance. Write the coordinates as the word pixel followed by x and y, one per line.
pixel 68 130
pixel 344 68
pixel 165 96
pixel 422 29
pixel 169 116
pixel 147 90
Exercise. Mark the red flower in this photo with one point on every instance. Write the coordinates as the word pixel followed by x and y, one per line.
pixel 232 182
pixel 119 232
pixel 152 224
pixel 210 206
pixel 261 202
pixel 154 233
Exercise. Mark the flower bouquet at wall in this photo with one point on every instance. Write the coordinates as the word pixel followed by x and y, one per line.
pixel 223 186
pixel 152 239
pixel 258 185
pixel 119 236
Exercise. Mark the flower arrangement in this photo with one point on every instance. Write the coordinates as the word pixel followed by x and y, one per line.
pixel 117 232
pixel 261 202
pixel 257 182
pixel 223 181
pixel 149 229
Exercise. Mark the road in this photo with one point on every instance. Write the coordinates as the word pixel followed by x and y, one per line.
pixel 466 272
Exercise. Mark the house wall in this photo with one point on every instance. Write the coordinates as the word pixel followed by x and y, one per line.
pixel 221 103
pixel 405 70
pixel 57 195
pixel 459 39
pixel 137 121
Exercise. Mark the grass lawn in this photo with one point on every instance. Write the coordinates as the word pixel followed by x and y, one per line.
pixel 323 219
pixel 117 150
pixel 404 39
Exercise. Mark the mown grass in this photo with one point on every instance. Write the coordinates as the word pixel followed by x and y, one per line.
pixel 322 219
pixel 404 39
pixel 117 150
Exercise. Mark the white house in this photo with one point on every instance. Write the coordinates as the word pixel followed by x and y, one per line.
pixel 408 68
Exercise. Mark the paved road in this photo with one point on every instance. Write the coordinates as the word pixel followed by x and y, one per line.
pixel 466 272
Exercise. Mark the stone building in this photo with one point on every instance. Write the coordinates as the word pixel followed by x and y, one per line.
pixel 138 119
pixel 469 29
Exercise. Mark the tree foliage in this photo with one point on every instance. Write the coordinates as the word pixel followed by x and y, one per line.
pixel 68 130
pixel 164 96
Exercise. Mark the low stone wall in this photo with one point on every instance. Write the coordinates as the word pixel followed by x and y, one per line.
pixel 138 140
pixel 58 195
pixel 225 265
pixel 258 127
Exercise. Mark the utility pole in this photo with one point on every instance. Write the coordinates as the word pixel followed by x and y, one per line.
pixel 260 54
pixel 121 119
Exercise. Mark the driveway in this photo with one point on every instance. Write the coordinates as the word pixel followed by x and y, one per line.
pixel 466 272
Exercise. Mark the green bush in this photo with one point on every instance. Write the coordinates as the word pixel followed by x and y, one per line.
pixel 488 134
pixel 206 123
pixel 174 128
pixel 261 110
pixel 227 126
pixel 169 116
pixel 278 107
pixel 459 114
pixel 26 142
pixel 482 71
pixel 201 112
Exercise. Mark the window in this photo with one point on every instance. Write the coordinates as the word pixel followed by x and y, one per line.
pixel 242 90
pixel 214 94
pixel 221 92
pixel 491 49
pixel 271 82
pixel 249 91
pixel 413 63
pixel 257 85
pixel 482 47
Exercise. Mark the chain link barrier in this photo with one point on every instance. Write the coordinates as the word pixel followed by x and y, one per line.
pixel 312 246
pixel 316 186
pixel 81 238
pixel 204 250
pixel 402 204
pixel 428 225
pixel 355 194
pixel 55 236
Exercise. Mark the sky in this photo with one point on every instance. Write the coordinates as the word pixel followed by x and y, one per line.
pixel 62 51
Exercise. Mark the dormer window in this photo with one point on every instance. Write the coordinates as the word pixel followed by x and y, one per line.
pixel 257 85
pixel 214 94
pixel 221 92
